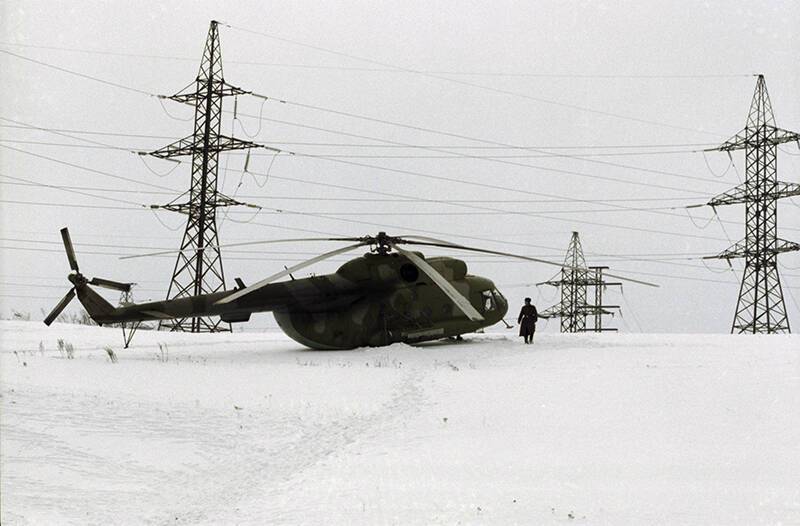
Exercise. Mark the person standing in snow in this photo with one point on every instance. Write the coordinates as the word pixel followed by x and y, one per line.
pixel 527 321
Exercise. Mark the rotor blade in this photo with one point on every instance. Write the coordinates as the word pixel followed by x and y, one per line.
pixel 283 273
pixel 431 242
pixel 243 244
pixel 61 306
pixel 460 301
pixel 109 284
pixel 73 261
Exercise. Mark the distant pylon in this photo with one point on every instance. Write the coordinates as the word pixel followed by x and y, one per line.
pixel 599 309
pixel 126 296
pixel 760 307
pixel 575 280
pixel 198 269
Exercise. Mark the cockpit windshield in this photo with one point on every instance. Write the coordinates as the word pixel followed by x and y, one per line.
pixel 490 299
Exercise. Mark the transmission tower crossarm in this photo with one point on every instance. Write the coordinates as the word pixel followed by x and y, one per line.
pixel 219 89
pixel 552 312
pixel 552 283
pixel 189 146
pixel 740 250
pixel 769 136
pixel 744 193
pixel 219 200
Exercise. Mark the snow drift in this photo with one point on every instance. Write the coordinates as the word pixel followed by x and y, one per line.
pixel 251 429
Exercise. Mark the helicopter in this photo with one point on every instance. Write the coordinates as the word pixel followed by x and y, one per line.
pixel 387 295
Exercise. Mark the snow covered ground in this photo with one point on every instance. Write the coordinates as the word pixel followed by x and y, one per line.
pixel 252 429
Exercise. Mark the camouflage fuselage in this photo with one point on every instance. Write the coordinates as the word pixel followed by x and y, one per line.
pixel 372 300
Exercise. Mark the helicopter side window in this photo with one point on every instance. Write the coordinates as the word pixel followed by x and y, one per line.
pixel 488 300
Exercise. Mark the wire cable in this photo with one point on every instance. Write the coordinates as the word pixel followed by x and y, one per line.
pixel 393 146
pixel 387 70
pixel 91 170
pixel 56 187
pixel 475 85
pixel 480 140
pixel 77 74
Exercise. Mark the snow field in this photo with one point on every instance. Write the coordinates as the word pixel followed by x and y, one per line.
pixel 249 428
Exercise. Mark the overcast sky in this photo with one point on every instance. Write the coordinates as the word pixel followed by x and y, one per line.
pixel 624 93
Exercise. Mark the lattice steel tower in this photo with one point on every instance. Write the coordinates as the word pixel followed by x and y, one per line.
pixel 573 285
pixel 198 269
pixel 575 280
pixel 599 309
pixel 760 307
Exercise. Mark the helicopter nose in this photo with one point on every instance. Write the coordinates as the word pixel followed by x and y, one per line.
pixel 502 305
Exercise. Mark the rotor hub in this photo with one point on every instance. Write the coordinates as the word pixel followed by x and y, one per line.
pixel 76 278
pixel 382 242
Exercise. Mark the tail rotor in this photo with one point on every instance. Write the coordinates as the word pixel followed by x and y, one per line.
pixel 79 281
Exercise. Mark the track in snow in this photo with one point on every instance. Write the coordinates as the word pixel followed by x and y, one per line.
pixel 250 428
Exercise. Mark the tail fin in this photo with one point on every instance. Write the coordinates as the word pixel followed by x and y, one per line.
pixel 98 308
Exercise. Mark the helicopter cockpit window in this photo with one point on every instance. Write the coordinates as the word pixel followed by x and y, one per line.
pixel 488 300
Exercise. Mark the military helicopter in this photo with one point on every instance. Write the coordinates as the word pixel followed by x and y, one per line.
pixel 388 295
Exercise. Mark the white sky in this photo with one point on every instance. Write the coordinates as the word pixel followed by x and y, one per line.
pixel 678 70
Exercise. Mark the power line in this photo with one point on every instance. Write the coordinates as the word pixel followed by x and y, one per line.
pixel 480 140
pixel 449 179
pixel 394 170
pixel 277 211
pixel 70 205
pixel 474 85
pixel 392 146
pixel 552 197
pixel 431 200
pixel 82 75
pixel 489 88
pixel 92 170
pixel 668 255
pixel 378 156
pixel 542 168
pixel 438 177
pixel 357 199
pixel 385 70
pixel 336 213
pixel 90 132
pixel 56 187
pixel 333 158
pixel 300 256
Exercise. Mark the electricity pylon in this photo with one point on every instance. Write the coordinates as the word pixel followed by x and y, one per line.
pixel 575 280
pixel 760 307
pixel 573 284
pixel 198 269
pixel 599 309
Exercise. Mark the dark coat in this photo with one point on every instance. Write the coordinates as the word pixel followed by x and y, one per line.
pixel 527 320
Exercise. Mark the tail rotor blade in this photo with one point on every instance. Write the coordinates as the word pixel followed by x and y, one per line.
pixel 73 261
pixel 109 284
pixel 456 297
pixel 60 307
